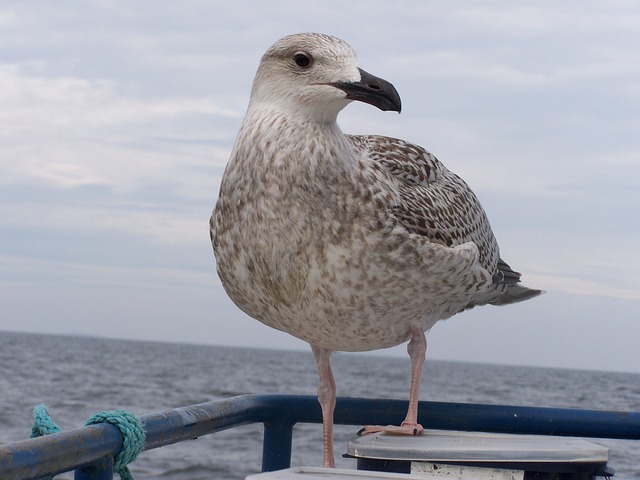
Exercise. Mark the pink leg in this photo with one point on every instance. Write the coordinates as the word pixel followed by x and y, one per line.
pixel 327 399
pixel 417 349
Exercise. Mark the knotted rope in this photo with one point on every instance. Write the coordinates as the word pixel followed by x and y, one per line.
pixel 130 426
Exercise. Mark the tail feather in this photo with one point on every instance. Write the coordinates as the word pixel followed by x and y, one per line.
pixel 505 274
pixel 508 285
pixel 515 293
pixel 505 289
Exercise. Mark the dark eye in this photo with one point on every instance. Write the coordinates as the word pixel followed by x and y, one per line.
pixel 302 59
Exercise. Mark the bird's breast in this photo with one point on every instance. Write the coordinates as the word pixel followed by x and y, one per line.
pixel 305 243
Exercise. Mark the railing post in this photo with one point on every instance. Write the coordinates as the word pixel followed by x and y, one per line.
pixel 276 445
pixel 100 470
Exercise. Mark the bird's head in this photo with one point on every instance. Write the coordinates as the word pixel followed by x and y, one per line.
pixel 317 75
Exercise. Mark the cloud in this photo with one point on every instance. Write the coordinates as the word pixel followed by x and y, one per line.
pixel 67 131
pixel 576 285
pixel 95 274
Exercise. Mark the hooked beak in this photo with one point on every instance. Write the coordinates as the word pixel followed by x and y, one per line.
pixel 372 90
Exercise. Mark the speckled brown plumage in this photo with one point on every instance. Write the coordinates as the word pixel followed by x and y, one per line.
pixel 350 243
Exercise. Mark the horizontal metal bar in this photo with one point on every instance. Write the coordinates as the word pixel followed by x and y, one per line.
pixel 53 454
pixel 58 452
pixel 496 418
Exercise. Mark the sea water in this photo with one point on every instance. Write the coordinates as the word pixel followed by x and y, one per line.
pixel 79 376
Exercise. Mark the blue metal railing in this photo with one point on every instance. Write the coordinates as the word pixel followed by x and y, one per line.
pixel 90 450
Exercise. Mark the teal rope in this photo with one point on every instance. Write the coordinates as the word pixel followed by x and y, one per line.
pixel 133 436
pixel 43 424
pixel 130 426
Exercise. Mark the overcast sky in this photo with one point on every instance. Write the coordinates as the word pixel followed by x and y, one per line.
pixel 117 119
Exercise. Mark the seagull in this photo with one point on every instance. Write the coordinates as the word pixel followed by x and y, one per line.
pixel 348 242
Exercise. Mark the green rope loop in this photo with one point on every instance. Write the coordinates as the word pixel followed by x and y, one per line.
pixel 43 424
pixel 130 426
pixel 133 436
